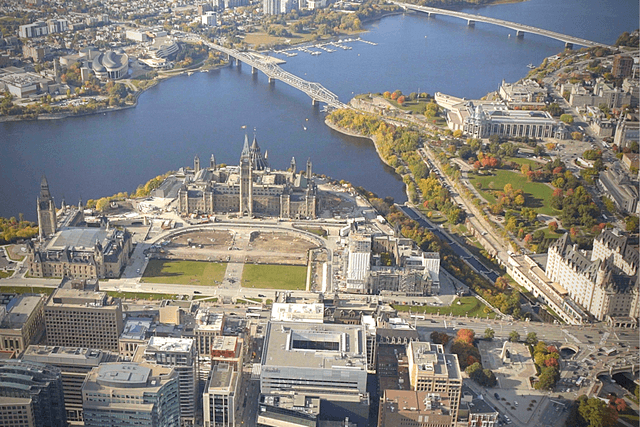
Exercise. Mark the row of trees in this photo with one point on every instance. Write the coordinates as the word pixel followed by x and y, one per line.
pixel 546 358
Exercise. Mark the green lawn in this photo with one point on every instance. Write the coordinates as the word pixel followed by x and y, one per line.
pixel 140 295
pixel 522 161
pixel 290 277
pixel 469 306
pixel 4 274
pixel 537 194
pixel 25 290
pixel 184 272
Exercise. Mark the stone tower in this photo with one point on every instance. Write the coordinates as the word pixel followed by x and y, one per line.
pixel 46 211
pixel 196 164
pixel 293 165
pixel 309 171
pixel 246 180
pixel 212 162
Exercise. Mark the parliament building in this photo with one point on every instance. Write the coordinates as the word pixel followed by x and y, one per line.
pixel 249 189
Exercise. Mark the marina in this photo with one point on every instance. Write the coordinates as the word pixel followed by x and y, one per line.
pixel 329 47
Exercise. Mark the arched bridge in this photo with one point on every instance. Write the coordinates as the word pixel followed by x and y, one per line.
pixel 316 91
pixel 520 29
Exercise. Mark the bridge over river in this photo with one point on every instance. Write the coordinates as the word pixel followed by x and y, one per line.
pixel 316 91
pixel 520 29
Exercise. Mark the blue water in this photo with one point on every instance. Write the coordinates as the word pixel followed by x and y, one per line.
pixel 95 156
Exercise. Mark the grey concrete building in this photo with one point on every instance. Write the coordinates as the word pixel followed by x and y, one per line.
pixel 74 364
pixel 21 321
pixel 37 386
pixel 131 395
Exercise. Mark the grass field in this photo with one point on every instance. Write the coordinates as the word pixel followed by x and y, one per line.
pixel 4 274
pixel 523 161
pixel 184 272
pixel 140 295
pixel 289 277
pixel 25 290
pixel 469 306
pixel 538 195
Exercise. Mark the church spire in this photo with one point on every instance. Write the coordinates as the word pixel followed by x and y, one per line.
pixel 245 148
pixel 44 188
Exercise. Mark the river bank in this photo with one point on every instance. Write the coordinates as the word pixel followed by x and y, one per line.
pixel 136 95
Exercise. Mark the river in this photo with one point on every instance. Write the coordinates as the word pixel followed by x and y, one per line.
pixel 203 114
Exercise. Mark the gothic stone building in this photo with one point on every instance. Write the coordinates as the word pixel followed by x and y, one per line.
pixel 71 249
pixel 252 188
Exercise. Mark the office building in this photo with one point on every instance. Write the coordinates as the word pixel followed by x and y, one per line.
pixel 433 371
pixel 17 412
pixel 74 365
pixel 252 188
pixel 79 315
pixel 131 395
pixel 209 325
pixel 36 385
pixel 136 331
pixel 328 361
pixel 409 408
pixel 615 183
pixel 604 282
pixel 21 322
pixel 271 7
pixel 219 401
pixel 181 355
pixel 228 350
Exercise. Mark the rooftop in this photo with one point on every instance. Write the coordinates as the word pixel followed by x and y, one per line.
pixel 313 312
pixel 18 311
pixel 168 344
pixel 222 377
pixel 57 355
pixel 320 346
pixel 431 360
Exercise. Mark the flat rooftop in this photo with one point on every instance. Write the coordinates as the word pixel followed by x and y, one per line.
pixel 222 377
pixel 56 355
pixel 18 311
pixel 78 238
pixel 291 312
pixel 136 329
pixel 432 360
pixel 169 344
pixel 319 346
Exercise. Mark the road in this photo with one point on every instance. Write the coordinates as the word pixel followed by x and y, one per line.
pixel 459 250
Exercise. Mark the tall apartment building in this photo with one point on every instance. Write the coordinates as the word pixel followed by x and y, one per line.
pixel 604 282
pixel 37 389
pixel 131 395
pixel 409 408
pixel 219 399
pixel 79 315
pixel 21 321
pixel 622 66
pixel 208 326
pixel 181 355
pixel 433 371
pixel 228 350
pixel 74 365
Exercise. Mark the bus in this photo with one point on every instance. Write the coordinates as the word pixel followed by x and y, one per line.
pixel 253 315
pixel 254 308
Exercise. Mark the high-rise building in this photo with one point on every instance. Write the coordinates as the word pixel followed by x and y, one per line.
pixel 434 371
pixel 21 321
pixel 219 397
pixel 34 385
pixel 622 66
pixel 131 395
pixel 271 7
pixel 409 408
pixel 74 364
pixel 229 350
pixel 47 222
pixel 310 362
pixel 17 412
pixel 181 355
pixel 79 315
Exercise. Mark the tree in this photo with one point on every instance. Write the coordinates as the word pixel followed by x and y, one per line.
pixel 632 224
pixel 489 334
pixel 576 136
pixel 466 336
pixel 439 338
pixel 102 204
pixel 566 118
pixel 457 133
pixel 597 413
pixel 547 379
pixel 514 336
pixel 532 338
pixel 401 99
pixel 553 226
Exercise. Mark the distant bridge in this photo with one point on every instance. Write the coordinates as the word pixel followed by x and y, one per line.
pixel 316 91
pixel 520 29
